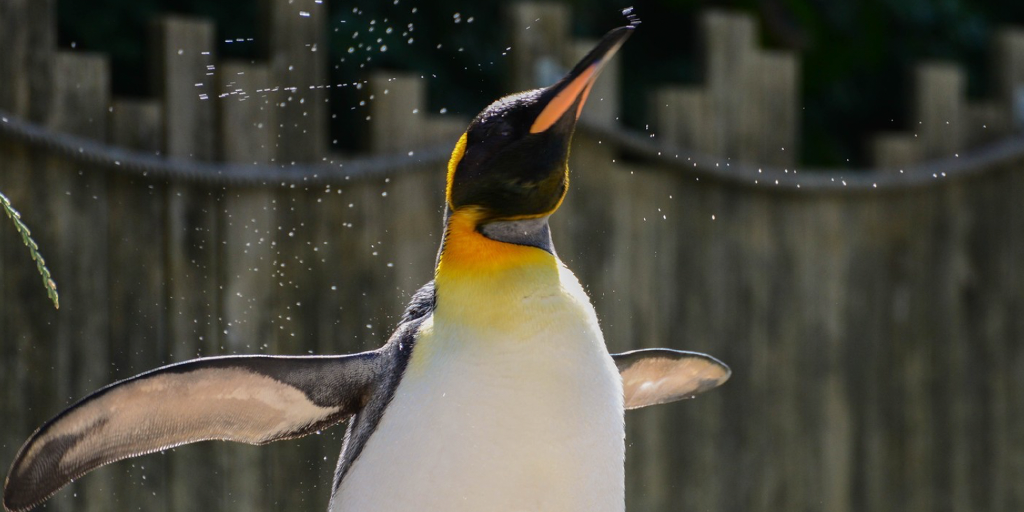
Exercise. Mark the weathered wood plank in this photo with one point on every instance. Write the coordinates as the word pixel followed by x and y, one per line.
pixel 78 221
pixel 680 115
pixel 28 42
pixel 728 40
pixel 182 55
pixel 397 111
pixel 28 319
pixel 298 282
pixel 1009 73
pixel 295 38
pixel 940 95
pixel 1013 301
pixel 892 152
pixel 248 232
pixel 297 52
pixel 985 122
pixel 138 294
pixel 777 90
pixel 538 31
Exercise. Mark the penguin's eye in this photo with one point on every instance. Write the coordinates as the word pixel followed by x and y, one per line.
pixel 502 129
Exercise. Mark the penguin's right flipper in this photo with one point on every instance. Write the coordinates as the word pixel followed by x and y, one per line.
pixel 249 399
pixel 659 375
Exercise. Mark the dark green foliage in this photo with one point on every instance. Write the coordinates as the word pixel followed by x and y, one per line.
pixel 857 55
pixel 119 27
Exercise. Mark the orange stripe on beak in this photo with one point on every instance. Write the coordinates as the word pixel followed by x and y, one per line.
pixel 575 87
pixel 560 104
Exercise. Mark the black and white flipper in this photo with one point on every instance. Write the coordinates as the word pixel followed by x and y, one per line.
pixel 660 375
pixel 248 399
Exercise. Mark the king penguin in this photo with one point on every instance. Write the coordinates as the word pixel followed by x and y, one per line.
pixel 496 391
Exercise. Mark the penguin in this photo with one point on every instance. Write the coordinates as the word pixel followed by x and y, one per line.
pixel 495 392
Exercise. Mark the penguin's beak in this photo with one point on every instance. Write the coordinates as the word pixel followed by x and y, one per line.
pixel 566 98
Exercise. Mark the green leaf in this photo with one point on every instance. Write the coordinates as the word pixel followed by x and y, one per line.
pixel 33 249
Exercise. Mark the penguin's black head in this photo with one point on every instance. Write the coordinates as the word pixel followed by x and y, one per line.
pixel 512 162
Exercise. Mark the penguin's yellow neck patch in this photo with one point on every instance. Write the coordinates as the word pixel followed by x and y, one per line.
pixel 467 252
pixel 485 283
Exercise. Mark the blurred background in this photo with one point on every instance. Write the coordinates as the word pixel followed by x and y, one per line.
pixel 856 74
pixel 824 195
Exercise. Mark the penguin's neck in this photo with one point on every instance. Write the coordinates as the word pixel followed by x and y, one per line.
pixel 485 279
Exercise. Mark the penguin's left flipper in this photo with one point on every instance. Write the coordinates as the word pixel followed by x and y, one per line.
pixel 249 399
pixel 659 375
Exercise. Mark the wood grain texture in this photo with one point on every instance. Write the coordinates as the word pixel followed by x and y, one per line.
pixel 870 334
pixel 78 223
pixel 28 39
pixel 538 31
pixel 294 39
pixel 138 292
pixel 181 53
pixel 246 127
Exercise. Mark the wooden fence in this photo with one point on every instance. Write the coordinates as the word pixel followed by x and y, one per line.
pixel 874 320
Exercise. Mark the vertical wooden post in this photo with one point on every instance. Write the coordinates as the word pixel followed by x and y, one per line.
pixel 399 120
pixel 891 152
pixel 138 307
pixel 183 67
pixel 539 32
pixel 246 104
pixel 183 58
pixel 295 32
pixel 747 108
pixel 984 122
pixel 28 41
pixel 79 224
pixel 755 81
pixel 183 55
pixel 940 90
pixel 778 91
pixel 248 231
pixel 1009 66
pixel 297 50
pixel 11 429
pixel 681 115
pixel 729 47
pixel 29 388
pixel 397 111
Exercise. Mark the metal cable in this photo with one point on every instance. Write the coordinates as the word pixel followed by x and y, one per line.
pixel 116 159
pixel 928 173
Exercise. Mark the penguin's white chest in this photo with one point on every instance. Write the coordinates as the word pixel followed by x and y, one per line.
pixel 525 415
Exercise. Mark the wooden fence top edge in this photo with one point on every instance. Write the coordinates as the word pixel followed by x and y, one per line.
pixel 144 164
